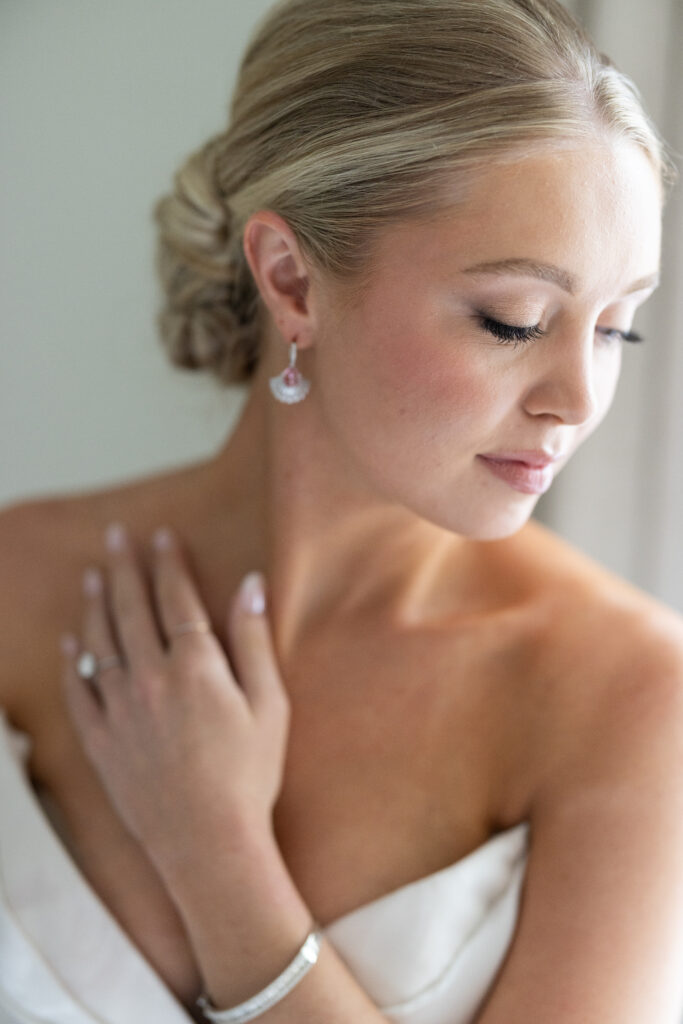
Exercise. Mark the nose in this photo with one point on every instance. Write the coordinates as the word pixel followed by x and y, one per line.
pixel 564 380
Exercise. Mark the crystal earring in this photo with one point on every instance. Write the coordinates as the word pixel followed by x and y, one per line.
pixel 290 386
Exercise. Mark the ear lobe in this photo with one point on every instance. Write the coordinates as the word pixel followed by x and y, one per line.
pixel 279 270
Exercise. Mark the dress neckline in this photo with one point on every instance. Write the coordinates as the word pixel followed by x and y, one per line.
pixel 53 850
pixel 21 739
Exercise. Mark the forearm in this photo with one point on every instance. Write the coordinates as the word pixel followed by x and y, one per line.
pixel 246 920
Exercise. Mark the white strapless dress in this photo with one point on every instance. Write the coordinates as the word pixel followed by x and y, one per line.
pixel 426 953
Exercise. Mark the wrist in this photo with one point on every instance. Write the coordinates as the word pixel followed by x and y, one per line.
pixel 242 912
pixel 233 840
pixel 271 994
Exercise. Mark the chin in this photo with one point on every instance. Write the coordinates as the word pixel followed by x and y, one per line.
pixel 495 526
pixel 502 533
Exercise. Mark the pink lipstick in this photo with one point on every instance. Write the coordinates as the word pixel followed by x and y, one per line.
pixel 520 475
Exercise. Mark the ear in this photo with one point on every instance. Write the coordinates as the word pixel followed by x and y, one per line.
pixel 281 274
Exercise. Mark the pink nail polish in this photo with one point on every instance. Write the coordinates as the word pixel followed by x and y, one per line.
pixel 162 539
pixel 252 593
pixel 92 582
pixel 67 642
pixel 115 537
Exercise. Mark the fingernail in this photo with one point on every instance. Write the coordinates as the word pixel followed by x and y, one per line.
pixel 252 593
pixel 115 536
pixel 67 642
pixel 92 582
pixel 162 539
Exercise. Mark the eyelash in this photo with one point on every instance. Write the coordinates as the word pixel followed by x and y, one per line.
pixel 507 334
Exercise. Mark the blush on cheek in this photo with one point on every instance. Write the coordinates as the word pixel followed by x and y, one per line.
pixel 398 385
pixel 428 385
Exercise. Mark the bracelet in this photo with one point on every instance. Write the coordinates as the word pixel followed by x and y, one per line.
pixel 273 993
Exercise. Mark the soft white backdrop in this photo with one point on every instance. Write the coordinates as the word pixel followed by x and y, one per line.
pixel 100 104
pixel 621 497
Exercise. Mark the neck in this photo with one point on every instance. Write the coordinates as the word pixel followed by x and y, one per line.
pixel 290 504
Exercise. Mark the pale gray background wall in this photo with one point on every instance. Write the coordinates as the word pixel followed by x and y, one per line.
pixel 621 497
pixel 100 104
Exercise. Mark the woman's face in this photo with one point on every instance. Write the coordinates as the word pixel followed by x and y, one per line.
pixel 414 382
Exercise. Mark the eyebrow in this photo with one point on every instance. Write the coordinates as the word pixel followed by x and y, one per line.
pixel 549 272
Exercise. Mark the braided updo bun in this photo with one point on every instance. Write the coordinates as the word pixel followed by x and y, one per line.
pixel 211 319
pixel 349 116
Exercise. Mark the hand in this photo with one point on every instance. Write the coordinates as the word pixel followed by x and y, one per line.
pixel 187 748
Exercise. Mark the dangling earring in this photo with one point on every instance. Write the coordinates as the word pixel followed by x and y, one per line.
pixel 290 386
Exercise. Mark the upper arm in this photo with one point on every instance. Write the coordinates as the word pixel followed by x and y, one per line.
pixel 13 523
pixel 599 938
pixel 29 532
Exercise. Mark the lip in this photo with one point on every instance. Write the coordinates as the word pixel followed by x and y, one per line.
pixel 536 459
pixel 519 475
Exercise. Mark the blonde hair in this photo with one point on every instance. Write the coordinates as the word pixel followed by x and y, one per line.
pixel 351 115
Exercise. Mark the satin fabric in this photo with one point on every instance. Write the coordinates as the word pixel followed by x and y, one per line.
pixel 427 953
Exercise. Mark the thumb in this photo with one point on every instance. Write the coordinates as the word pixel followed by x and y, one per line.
pixel 253 650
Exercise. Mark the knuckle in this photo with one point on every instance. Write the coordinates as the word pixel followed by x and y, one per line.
pixel 148 681
pixel 196 657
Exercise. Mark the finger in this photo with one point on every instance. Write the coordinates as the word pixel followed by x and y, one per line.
pixel 83 705
pixel 97 634
pixel 98 637
pixel 129 601
pixel 176 594
pixel 254 653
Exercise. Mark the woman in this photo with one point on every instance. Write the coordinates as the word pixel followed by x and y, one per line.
pixel 435 765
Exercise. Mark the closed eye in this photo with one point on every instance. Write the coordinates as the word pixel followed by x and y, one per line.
pixel 510 334
pixel 624 335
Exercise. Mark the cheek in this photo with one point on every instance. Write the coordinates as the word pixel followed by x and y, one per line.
pixel 430 374
pixel 432 386
pixel 397 386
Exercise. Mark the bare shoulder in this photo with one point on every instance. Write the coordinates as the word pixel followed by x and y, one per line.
pixel 606 644
pixel 45 545
pixel 586 643
pixel 603 890
pixel 613 666
pixel 608 675
pixel 40 543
